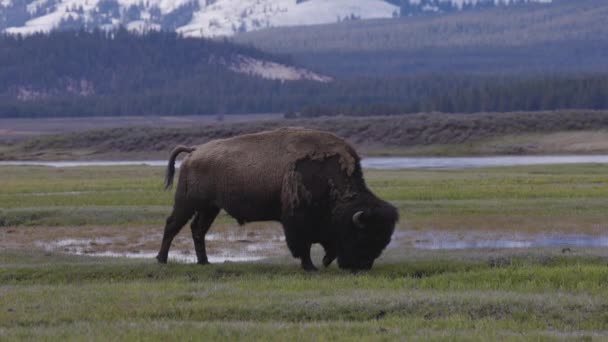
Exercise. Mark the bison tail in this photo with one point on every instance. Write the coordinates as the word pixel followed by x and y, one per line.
pixel 171 166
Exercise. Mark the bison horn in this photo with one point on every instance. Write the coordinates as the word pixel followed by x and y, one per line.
pixel 357 219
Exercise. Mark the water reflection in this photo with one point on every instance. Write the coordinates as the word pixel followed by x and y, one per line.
pixel 444 240
pixel 475 162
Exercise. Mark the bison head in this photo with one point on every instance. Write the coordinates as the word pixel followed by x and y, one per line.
pixel 365 234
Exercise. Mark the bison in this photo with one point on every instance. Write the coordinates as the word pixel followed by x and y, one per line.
pixel 310 181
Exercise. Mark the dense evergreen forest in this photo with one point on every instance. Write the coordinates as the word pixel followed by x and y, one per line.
pixel 79 73
pixel 106 63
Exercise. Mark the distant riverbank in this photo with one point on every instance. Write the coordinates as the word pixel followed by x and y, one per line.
pixel 425 134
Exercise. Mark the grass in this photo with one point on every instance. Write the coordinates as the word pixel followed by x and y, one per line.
pixel 483 294
pixel 435 297
pixel 570 198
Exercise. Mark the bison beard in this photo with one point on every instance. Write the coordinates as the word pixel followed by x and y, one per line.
pixel 310 181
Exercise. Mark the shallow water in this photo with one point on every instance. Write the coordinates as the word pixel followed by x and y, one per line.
pixel 177 257
pixel 385 163
pixel 476 162
pixel 448 240
pixel 104 247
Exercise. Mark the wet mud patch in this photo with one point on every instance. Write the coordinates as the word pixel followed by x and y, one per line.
pixel 225 242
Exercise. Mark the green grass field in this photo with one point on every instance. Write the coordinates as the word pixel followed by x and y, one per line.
pixel 429 297
pixel 528 199
pixel 481 294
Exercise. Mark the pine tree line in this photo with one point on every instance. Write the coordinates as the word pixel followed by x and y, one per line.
pixel 116 73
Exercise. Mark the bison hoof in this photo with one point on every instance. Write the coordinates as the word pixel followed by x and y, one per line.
pixel 309 267
pixel 161 260
pixel 203 262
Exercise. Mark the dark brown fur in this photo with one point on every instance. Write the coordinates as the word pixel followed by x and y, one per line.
pixel 310 181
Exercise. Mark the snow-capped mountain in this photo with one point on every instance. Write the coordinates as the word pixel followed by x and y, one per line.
pixel 414 7
pixel 211 18
pixel 191 17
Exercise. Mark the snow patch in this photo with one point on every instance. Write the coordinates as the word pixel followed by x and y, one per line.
pixel 55 14
pixel 316 12
pixel 274 71
pixel 82 87
pixel 32 8
pixel 142 26
pixel 432 5
pixel 227 17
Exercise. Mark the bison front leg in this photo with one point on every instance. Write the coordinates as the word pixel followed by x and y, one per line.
pixel 178 218
pixel 299 245
pixel 200 226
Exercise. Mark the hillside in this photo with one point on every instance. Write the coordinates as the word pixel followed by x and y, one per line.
pixel 194 18
pixel 564 36
pixel 121 74
pixel 410 8
pixel 118 73
pixel 213 18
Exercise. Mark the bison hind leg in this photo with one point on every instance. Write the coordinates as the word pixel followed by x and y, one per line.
pixel 200 226
pixel 178 218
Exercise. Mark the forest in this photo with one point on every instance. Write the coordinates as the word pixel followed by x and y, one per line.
pixel 78 73
pixel 566 36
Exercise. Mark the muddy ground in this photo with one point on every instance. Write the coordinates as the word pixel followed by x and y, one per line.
pixel 232 243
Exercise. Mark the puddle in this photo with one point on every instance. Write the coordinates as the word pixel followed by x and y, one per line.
pixel 107 248
pixel 448 240
pixel 178 257
pixel 226 243
pixel 386 163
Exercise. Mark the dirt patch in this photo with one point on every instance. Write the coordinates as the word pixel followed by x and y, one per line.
pixel 226 242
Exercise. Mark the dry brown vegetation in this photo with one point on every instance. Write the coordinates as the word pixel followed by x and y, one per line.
pixel 415 134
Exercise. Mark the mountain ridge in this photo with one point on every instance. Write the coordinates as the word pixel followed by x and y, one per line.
pixel 213 18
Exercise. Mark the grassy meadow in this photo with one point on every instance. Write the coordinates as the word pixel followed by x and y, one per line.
pixel 481 294
pixel 565 199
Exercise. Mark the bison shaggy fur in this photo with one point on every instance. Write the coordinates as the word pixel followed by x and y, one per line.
pixel 310 181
